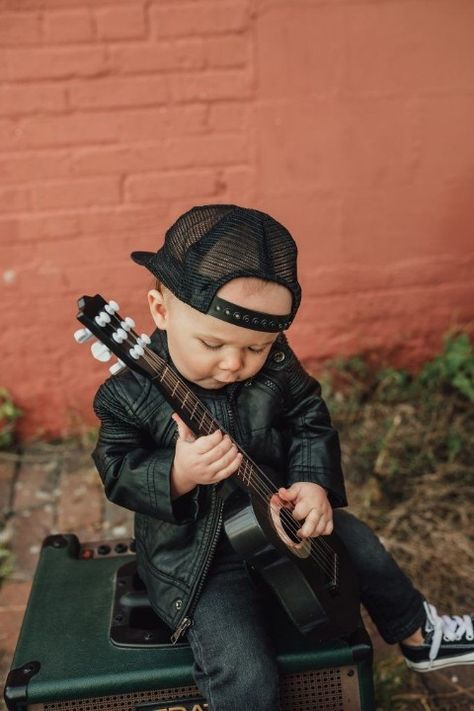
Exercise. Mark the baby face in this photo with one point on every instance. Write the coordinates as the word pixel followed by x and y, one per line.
pixel 211 352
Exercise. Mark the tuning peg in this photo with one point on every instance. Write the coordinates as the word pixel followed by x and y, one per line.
pixel 120 335
pixel 102 319
pixel 136 352
pixel 101 352
pixel 117 367
pixel 82 335
pixel 112 307
pixel 144 340
pixel 127 324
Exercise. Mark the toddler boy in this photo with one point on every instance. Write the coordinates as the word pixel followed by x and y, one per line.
pixel 226 291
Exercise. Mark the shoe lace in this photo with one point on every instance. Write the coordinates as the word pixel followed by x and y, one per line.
pixel 451 628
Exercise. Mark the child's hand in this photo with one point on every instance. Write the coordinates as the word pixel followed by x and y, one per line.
pixel 201 460
pixel 311 504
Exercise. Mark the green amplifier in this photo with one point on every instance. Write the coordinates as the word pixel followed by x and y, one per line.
pixel 90 642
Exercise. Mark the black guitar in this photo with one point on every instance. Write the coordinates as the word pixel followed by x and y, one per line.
pixel 312 578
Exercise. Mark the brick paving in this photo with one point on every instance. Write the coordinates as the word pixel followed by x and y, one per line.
pixel 56 489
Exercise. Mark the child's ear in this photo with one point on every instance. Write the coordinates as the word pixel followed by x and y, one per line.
pixel 158 308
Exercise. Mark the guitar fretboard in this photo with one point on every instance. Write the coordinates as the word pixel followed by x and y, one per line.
pixel 200 420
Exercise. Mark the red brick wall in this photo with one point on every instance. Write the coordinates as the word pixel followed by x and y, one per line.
pixel 349 120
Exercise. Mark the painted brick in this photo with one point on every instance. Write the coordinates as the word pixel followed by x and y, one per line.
pixel 378 141
pixel 116 220
pixel 75 129
pixel 68 27
pixel 203 18
pixel 20 28
pixel 238 185
pixel 427 224
pixel 121 22
pixel 120 159
pixel 126 219
pixel 321 226
pixel 170 185
pixel 108 93
pixel 306 157
pixel 211 86
pixel 57 63
pixel 14 199
pixel 227 51
pixel 446 150
pixel 152 124
pixel 427 48
pixel 32 166
pixel 301 50
pixel 31 99
pixel 98 191
pixel 165 56
pixel 10 135
pixel 53 4
pixel 230 116
pixel 224 150
pixel 32 228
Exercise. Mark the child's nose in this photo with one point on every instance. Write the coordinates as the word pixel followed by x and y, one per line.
pixel 231 361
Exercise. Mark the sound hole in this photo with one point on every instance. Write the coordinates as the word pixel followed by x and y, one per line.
pixel 286 527
pixel 289 525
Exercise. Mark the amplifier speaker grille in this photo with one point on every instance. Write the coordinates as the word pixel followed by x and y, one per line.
pixel 331 689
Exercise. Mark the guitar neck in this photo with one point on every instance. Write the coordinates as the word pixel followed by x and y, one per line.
pixel 198 418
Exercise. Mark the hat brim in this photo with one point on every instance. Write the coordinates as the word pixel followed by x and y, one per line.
pixel 142 258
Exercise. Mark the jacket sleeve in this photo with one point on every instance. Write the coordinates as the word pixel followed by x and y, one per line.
pixel 313 449
pixel 135 471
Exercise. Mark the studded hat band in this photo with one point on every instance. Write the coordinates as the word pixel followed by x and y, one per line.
pixel 255 320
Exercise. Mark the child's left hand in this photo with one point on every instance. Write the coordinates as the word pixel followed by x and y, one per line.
pixel 310 504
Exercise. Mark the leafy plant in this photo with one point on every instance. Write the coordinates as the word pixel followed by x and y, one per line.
pixel 6 562
pixel 9 414
pixel 454 368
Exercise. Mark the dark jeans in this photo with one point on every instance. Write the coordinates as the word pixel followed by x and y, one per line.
pixel 232 647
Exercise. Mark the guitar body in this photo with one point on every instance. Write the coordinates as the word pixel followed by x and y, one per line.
pixel 313 579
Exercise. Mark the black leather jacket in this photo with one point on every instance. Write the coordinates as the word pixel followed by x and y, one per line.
pixel 277 417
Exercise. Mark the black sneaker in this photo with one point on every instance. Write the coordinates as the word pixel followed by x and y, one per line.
pixel 448 640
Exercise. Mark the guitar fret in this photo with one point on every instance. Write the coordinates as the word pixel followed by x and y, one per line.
pixel 194 410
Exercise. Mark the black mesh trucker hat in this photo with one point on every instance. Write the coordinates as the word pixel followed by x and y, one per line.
pixel 211 244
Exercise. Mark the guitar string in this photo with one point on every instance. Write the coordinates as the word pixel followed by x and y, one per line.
pixel 263 491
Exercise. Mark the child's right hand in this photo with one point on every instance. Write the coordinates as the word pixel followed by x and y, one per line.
pixel 201 460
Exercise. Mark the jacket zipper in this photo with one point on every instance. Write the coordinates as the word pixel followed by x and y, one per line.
pixel 187 621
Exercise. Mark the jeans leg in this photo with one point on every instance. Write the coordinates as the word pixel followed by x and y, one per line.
pixel 234 659
pixel 393 603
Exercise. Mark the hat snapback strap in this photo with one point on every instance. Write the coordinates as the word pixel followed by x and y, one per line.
pixel 255 320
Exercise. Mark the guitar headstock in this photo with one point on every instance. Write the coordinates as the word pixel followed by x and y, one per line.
pixel 115 335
